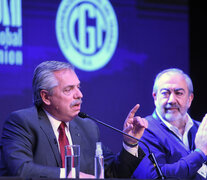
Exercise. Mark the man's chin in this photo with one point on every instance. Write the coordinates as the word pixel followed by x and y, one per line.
pixel 172 117
pixel 76 113
pixel 73 115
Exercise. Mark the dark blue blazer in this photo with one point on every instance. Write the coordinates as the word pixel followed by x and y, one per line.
pixel 173 158
pixel 28 147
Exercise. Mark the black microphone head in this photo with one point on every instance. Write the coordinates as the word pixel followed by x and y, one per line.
pixel 82 115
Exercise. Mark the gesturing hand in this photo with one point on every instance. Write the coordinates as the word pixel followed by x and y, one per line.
pixel 134 125
pixel 201 136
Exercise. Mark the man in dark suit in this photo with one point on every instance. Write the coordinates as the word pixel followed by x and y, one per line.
pixel 178 142
pixel 30 144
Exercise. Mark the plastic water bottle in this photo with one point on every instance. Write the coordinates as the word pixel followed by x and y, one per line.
pixel 99 162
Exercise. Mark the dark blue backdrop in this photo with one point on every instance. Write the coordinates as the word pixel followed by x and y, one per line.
pixel 153 35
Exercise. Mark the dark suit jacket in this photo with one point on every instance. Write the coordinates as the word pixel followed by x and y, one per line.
pixel 173 158
pixel 29 149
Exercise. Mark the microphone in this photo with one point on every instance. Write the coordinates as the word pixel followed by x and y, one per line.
pixel 151 155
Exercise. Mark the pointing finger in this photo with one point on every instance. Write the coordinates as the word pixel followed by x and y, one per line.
pixel 133 111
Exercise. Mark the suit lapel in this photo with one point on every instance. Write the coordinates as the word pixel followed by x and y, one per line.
pixel 48 131
pixel 75 132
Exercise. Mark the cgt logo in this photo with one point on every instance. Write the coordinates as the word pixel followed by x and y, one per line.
pixel 87 32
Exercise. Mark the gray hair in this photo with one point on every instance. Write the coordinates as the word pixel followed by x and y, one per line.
pixel 44 78
pixel 170 71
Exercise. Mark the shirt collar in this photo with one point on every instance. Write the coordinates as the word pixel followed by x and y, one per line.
pixel 55 122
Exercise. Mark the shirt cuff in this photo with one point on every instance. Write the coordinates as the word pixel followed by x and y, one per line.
pixel 62 172
pixel 131 150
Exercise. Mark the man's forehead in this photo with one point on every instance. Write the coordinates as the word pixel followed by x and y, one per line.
pixel 172 86
pixel 67 76
pixel 63 71
pixel 172 79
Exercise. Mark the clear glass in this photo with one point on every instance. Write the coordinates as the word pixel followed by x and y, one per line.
pixel 72 161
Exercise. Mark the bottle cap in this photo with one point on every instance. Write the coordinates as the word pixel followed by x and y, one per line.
pixel 99 150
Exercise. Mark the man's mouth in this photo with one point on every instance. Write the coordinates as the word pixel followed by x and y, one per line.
pixel 76 103
pixel 171 109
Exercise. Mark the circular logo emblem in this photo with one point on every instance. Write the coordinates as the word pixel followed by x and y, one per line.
pixel 87 32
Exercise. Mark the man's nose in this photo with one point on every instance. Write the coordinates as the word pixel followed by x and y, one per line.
pixel 78 94
pixel 172 98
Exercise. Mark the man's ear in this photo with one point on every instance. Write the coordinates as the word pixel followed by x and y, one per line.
pixel 190 99
pixel 154 95
pixel 45 96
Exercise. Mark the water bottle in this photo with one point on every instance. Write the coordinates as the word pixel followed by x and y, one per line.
pixel 99 162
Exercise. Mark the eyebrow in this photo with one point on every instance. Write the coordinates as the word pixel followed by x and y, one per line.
pixel 72 85
pixel 176 89
pixel 179 89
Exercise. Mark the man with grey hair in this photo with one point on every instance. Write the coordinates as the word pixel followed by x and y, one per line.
pixel 33 139
pixel 179 144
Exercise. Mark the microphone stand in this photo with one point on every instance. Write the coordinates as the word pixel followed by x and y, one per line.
pixel 151 155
